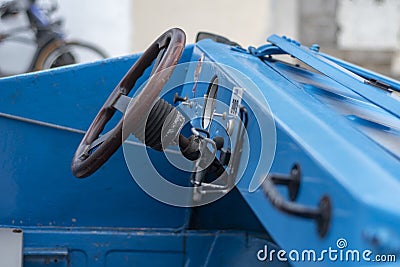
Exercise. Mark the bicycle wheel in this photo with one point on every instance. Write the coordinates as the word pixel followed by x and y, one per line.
pixel 60 53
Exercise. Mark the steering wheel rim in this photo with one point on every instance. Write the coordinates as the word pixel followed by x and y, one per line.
pixel 88 159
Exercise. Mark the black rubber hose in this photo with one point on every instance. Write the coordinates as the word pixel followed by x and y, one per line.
pixel 159 115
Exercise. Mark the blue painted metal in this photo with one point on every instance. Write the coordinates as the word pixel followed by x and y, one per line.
pixel 364 72
pixel 264 50
pixel 342 132
pixel 106 220
pixel 337 157
pixel 338 73
pixel 47 160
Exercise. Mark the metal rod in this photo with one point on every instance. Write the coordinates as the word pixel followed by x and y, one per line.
pixel 41 123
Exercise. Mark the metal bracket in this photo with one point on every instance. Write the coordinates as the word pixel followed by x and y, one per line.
pixel 321 214
pixel 122 103
pixel 11 240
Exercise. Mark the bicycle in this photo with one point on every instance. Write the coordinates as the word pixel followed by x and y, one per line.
pixel 53 49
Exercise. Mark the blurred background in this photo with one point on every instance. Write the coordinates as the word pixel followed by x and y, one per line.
pixel 365 32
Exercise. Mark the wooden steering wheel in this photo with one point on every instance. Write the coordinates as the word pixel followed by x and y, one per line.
pixel 94 150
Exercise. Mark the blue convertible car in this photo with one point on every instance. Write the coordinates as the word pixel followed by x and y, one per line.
pixel 206 154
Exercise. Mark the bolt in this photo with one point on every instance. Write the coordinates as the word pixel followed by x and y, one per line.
pixel 178 98
pixel 315 47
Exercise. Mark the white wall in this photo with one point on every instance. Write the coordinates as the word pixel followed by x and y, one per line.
pixel 283 17
pixel 103 22
pixel 243 22
pixel 369 24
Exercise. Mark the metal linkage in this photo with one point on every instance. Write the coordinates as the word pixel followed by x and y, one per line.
pixel 41 123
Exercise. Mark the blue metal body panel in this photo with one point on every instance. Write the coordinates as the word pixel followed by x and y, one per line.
pixel 42 159
pixel 344 133
pixel 315 119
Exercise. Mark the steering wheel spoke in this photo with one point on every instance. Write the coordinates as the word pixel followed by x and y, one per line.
pixel 99 141
pixel 122 103
pixel 157 61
